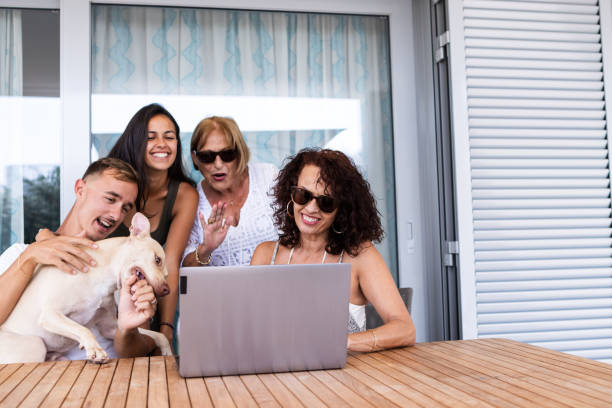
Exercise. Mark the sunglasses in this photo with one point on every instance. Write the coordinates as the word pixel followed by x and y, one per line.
pixel 209 156
pixel 302 196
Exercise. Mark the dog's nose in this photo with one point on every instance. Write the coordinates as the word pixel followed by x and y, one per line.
pixel 164 290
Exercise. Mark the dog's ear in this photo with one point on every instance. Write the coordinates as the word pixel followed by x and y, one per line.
pixel 140 226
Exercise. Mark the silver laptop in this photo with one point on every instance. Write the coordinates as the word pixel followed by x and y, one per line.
pixel 262 319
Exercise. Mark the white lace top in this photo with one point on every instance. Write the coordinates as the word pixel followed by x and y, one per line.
pixel 256 223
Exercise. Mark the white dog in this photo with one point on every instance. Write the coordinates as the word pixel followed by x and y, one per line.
pixel 52 313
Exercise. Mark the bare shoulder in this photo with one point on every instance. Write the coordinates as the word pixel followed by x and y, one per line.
pixel 367 253
pixel 263 253
pixel 367 262
pixel 186 197
pixel 187 191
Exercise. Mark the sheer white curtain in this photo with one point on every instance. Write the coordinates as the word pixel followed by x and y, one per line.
pixel 151 50
pixel 11 170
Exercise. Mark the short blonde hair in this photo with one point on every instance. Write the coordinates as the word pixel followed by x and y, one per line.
pixel 232 133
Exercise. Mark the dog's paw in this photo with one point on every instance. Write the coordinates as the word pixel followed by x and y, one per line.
pixel 96 354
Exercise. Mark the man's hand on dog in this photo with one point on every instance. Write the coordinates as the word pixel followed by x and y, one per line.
pixel 64 252
pixel 137 303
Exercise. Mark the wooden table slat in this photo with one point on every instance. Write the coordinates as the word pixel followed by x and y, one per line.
pixel 551 354
pixel 601 375
pixel 239 392
pixel 481 373
pixel 198 393
pixel 348 394
pixel 377 370
pixel 177 387
pixel 77 394
pixel 21 391
pixel 7 371
pixel 259 392
pixel 280 392
pixel 563 390
pixel 538 392
pixel 38 393
pixel 452 396
pixel 62 387
pixel 324 393
pixel 117 391
pixel 362 389
pixel 139 383
pixel 305 396
pixel 459 380
pixel 158 384
pixel 542 371
pixel 481 376
pixel 378 386
pixel 15 379
pixel 219 394
pixel 99 389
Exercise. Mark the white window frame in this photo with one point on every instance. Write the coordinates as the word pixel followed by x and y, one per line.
pixel 75 46
pixel 462 172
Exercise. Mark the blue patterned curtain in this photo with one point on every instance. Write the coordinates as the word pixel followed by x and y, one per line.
pixel 178 51
pixel 11 169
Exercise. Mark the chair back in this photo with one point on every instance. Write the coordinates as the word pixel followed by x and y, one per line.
pixel 373 320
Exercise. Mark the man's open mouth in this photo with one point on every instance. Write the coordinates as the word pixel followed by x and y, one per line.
pixel 105 222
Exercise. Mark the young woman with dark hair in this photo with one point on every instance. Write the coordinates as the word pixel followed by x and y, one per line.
pixel 151 144
pixel 326 213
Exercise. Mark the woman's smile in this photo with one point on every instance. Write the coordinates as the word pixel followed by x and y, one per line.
pixel 308 220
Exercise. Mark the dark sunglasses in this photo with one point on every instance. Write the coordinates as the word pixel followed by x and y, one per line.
pixel 209 156
pixel 302 196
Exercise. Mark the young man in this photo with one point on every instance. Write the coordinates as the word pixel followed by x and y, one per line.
pixel 104 195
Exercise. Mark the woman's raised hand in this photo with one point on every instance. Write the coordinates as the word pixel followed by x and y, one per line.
pixel 215 228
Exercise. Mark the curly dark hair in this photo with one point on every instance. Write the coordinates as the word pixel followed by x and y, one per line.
pixel 357 220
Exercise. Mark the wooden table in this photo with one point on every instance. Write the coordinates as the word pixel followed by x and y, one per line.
pixel 486 372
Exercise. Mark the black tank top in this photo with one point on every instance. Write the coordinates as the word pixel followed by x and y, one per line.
pixel 161 233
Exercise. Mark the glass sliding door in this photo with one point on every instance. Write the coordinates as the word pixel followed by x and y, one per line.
pixel 30 115
pixel 291 80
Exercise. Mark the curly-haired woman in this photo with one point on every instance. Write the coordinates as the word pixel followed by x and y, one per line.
pixel 326 213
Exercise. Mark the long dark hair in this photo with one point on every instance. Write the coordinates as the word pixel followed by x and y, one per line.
pixel 132 144
pixel 357 220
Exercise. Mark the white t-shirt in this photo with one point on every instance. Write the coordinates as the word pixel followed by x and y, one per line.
pixel 7 258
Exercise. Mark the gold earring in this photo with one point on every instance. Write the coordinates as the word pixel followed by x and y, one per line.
pixel 289 213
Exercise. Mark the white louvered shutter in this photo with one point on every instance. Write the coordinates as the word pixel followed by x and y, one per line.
pixel 532 168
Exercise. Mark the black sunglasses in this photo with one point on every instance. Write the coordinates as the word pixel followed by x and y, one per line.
pixel 209 156
pixel 302 196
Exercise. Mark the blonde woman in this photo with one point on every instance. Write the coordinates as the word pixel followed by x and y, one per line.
pixel 234 211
